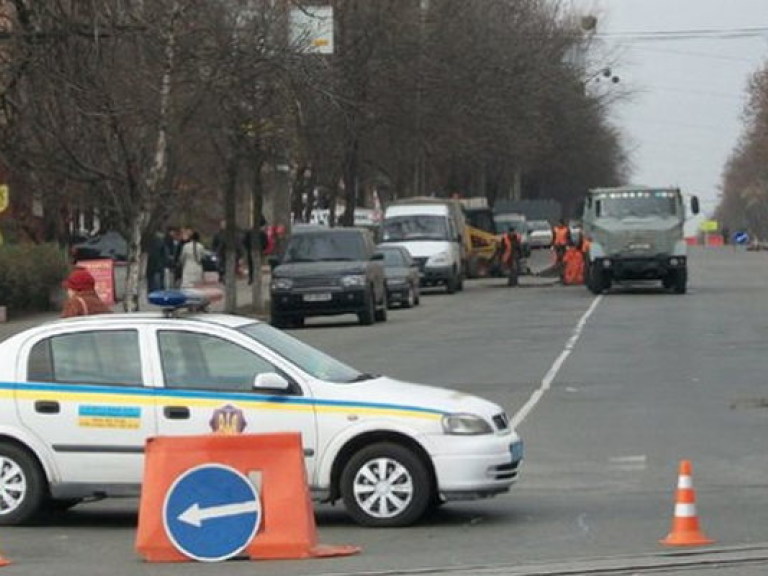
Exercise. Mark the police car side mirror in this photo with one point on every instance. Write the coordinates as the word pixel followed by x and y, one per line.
pixel 270 381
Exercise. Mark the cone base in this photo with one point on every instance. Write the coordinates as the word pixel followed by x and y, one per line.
pixel 686 539
pixel 4 562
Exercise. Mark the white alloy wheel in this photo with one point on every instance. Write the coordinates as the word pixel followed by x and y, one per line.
pixel 383 488
pixel 13 486
pixel 386 485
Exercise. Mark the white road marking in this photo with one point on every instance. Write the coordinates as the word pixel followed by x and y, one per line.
pixel 551 374
pixel 629 463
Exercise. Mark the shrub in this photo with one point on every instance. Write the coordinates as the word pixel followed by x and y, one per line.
pixel 29 273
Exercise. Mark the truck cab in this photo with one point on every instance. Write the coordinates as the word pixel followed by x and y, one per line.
pixel 636 234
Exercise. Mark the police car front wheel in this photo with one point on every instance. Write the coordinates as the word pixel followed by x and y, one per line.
pixel 386 485
pixel 22 485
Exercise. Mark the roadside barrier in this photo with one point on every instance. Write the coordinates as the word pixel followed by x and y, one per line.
pixel 210 498
pixel 685 524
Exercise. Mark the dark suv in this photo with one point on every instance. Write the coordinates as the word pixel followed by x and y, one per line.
pixel 328 271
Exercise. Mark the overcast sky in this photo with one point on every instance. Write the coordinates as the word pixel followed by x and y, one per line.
pixel 684 117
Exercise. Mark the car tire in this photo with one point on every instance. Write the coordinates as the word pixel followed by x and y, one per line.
pixel 23 484
pixel 460 283
pixel 410 298
pixel 381 313
pixel 417 295
pixel 595 281
pixel 403 477
pixel 450 284
pixel 368 315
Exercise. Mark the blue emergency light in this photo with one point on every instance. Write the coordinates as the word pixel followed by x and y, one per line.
pixel 173 300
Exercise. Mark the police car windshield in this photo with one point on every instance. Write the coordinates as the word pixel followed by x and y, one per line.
pixel 312 361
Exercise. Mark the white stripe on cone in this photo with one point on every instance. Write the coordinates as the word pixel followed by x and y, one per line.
pixel 685 510
pixel 685 482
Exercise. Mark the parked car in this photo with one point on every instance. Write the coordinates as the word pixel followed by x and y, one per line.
pixel 81 397
pixel 109 245
pixel 540 234
pixel 328 271
pixel 113 245
pixel 402 276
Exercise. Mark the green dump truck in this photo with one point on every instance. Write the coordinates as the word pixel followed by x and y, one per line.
pixel 636 234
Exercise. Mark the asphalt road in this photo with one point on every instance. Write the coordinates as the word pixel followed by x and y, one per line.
pixel 610 394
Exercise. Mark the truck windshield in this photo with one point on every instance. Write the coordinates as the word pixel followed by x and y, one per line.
pixel 623 205
pixel 415 227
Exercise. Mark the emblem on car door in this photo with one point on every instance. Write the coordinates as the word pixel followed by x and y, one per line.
pixel 228 420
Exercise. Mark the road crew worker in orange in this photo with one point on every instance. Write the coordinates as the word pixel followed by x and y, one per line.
pixel 573 263
pixel 509 250
pixel 561 239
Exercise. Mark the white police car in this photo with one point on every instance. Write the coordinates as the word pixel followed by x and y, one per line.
pixel 79 397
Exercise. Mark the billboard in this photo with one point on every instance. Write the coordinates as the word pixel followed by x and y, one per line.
pixel 312 29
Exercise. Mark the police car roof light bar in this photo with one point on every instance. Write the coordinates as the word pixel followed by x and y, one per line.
pixel 174 300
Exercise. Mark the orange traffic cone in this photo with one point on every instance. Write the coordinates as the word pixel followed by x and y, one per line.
pixel 4 561
pixel 685 525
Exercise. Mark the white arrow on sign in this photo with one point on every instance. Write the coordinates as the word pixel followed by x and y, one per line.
pixel 195 515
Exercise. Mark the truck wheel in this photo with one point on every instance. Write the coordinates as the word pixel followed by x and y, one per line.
pixel 368 315
pixel 22 485
pixel 386 485
pixel 460 283
pixel 595 282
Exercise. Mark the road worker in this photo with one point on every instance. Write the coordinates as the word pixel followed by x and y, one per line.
pixel 509 251
pixel 561 239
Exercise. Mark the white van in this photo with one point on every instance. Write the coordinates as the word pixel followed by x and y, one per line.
pixel 431 230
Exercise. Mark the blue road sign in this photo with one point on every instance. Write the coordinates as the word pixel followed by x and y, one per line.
pixel 741 238
pixel 211 512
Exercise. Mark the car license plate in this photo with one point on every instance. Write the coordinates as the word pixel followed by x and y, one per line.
pixel 517 451
pixel 323 297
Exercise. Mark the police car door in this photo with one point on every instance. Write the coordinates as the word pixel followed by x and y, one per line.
pixel 208 383
pixel 84 397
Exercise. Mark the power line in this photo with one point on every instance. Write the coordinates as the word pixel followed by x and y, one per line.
pixel 713 33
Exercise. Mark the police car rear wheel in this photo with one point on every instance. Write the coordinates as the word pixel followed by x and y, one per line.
pixel 22 485
pixel 386 485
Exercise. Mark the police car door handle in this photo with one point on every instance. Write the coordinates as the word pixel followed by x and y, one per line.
pixel 176 412
pixel 47 407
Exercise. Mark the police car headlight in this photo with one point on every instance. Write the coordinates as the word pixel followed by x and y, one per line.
pixel 353 281
pixel 282 284
pixel 465 425
pixel 441 259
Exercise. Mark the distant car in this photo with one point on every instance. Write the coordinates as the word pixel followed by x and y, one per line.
pixel 110 245
pixel 539 234
pixel 328 271
pixel 82 395
pixel 402 274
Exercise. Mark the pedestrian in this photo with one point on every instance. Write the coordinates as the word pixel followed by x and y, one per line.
pixel 82 299
pixel 561 239
pixel 509 252
pixel 248 245
pixel 191 260
pixel 156 262
pixel 219 247
pixel 172 255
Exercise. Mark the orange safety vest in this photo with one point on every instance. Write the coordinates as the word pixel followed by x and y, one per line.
pixel 561 235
